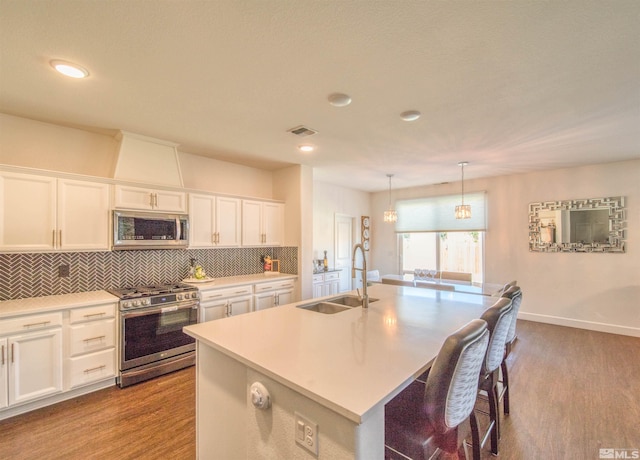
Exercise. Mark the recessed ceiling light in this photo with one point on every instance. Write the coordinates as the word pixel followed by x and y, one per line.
pixel 306 148
pixel 339 99
pixel 410 115
pixel 69 69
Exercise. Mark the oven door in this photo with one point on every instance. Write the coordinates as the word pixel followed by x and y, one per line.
pixel 154 333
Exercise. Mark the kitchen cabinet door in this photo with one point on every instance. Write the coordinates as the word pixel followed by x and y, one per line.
pixel 273 224
pixel 262 223
pixel 4 375
pixel 27 212
pixel 83 215
pixel 284 297
pixel 202 220
pixel 264 300
pixel 214 221
pixel 127 197
pixel 228 221
pixel 35 365
pixel 212 310
pixel 240 305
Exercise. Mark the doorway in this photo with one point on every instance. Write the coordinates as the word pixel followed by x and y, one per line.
pixel 343 243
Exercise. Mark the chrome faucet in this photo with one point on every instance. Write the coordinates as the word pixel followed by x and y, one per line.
pixel 365 296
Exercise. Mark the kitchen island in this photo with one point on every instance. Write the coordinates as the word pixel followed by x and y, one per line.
pixel 336 371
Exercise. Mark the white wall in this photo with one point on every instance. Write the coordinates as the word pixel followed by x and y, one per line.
pixel 34 144
pixel 329 200
pixel 591 291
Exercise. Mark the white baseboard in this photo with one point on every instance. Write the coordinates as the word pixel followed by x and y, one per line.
pixel 580 324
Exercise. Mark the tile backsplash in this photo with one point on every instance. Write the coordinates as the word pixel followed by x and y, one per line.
pixel 38 274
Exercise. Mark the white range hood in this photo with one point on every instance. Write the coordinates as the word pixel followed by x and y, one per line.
pixel 147 160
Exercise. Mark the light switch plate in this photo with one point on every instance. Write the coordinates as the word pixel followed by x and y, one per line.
pixel 306 433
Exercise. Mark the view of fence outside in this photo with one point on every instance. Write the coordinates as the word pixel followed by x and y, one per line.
pixel 443 251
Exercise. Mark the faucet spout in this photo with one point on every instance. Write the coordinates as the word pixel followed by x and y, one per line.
pixel 365 296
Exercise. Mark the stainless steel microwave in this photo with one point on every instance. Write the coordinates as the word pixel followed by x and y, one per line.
pixel 150 230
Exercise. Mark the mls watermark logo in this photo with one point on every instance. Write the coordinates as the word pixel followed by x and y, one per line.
pixel 620 453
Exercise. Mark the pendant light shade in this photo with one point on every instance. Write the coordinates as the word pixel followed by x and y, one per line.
pixel 463 211
pixel 390 215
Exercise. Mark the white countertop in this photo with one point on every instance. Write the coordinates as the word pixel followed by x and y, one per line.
pixel 53 302
pixel 230 281
pixel 353 360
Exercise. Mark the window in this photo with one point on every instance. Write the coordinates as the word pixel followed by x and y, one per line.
pixel 431 238
pixel 443 251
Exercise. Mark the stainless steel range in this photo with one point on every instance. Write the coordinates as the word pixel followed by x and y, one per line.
pixel 151 339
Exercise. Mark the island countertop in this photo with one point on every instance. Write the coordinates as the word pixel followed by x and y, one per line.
pixel 350 361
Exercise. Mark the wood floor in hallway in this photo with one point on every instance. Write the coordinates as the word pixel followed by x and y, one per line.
pixel 573 393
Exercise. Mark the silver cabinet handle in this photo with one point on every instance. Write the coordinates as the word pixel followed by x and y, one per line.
pixel 91 315
pixel 60 238
pixel 12 353
pixel 3 355
pixel 53 237
pixel 43 323
pixel 91 339
pixel 155 199
pixel 151 199
pixel 93 369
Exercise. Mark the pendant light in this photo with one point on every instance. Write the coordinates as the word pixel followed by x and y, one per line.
pixel 390 215
pixel 463 211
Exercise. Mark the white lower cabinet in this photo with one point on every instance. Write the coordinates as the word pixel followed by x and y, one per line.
pixel 4 374
pixel 326 284
pixel 31 358
pixel 91 344
pixel 220 303
pixel 267 295
pixel 45 355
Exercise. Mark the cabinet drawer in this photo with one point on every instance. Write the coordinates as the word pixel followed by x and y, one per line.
pixel 79 315
pixel 332 276
pixel 91 336
pixel 318 278
pixel 214 294
pixel 91 368
pixel 30 323
pixel 263 287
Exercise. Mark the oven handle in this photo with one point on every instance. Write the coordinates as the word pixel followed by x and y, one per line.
pixel 153 310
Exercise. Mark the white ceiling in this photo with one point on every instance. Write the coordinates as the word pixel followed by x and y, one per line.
pixel 510 86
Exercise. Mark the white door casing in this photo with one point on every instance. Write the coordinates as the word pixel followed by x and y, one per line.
pixel 343 246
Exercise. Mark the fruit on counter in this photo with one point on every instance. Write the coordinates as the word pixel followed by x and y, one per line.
pixel 199 273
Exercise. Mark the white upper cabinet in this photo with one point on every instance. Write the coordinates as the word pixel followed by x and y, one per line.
pixel 127 197
pixel 262 223
pixel 83 215
pixel 40 213
pixel 214 221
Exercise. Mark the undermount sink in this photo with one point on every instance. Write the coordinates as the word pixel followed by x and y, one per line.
pixel 350 300
pixel 335 305
pixel 324 307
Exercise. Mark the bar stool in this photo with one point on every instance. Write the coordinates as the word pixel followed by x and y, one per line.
pixel 425 419
pixel 515 294
pixel 498 318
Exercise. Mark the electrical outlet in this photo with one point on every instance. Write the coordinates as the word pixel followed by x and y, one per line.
pixel 306 433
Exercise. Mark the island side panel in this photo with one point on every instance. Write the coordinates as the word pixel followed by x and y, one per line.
pixel 271 433
pixel 221 401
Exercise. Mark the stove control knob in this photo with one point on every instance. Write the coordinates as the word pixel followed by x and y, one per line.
pixel 136 303
pixel 146 302
pixel 194 295
pixel 179 296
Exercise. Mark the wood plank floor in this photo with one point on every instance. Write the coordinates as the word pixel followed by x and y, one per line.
pixel 573 392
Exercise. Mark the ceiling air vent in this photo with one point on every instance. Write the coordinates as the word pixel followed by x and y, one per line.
pixel 302 131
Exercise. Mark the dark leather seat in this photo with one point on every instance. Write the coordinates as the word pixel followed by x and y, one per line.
pixel 426 418
pixel 498 318
pixel 515 294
